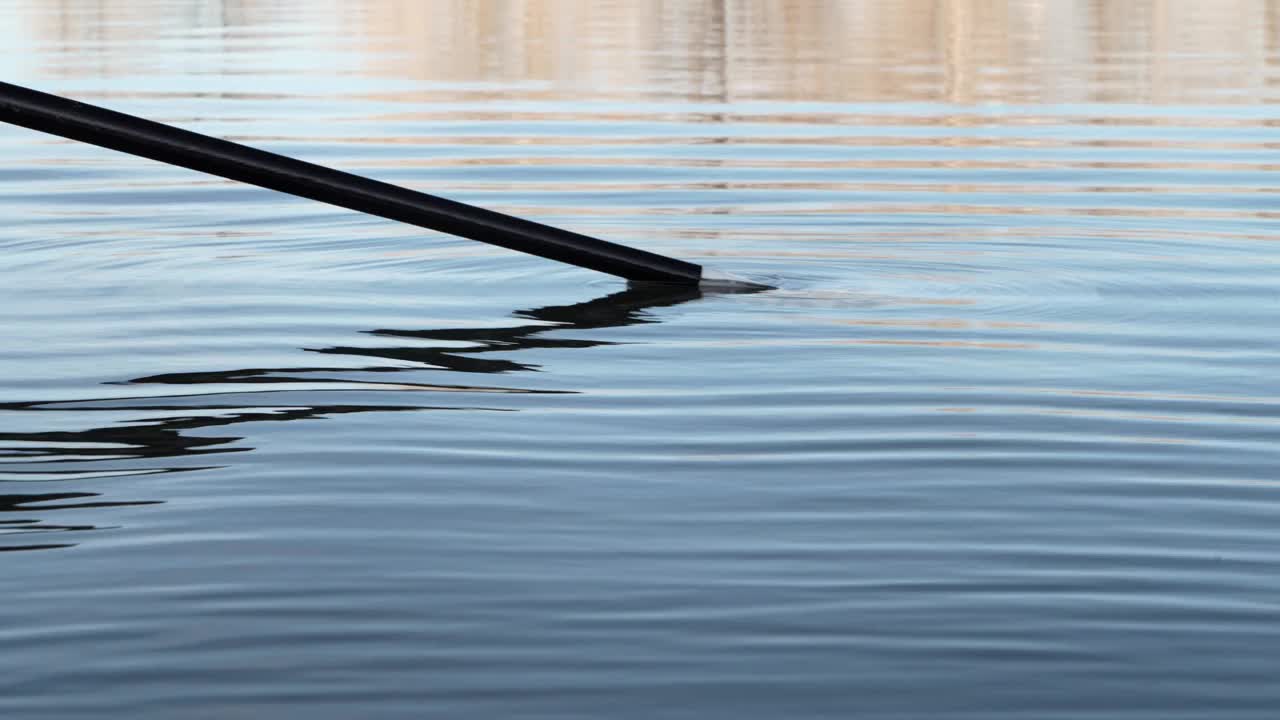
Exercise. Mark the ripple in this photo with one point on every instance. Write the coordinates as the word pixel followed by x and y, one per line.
pixel 1001 443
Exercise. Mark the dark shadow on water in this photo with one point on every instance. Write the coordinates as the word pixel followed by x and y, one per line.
pixel 28 503
pixel 44 546
pixel 24 503
pixel 628 307
pixel 150 435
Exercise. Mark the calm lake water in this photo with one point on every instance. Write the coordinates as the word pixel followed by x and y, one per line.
pixel 1004 443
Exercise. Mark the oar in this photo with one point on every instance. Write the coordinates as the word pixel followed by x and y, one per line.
pixel 136 136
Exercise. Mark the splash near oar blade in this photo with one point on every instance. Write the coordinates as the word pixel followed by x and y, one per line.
pixel 134 135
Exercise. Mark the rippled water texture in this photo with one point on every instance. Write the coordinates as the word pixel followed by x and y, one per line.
pixel 1002 444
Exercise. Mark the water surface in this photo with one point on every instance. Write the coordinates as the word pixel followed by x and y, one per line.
pixel 1002 444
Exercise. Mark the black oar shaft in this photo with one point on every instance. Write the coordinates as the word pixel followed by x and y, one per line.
pixel 136 136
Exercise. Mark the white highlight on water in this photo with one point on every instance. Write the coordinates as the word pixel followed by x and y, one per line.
pixel 720 281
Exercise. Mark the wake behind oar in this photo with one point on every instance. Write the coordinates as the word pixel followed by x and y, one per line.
pixel 137 136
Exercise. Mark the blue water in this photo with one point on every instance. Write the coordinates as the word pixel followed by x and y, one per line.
pixel 1003 443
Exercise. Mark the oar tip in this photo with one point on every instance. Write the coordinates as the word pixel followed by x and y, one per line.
pixel 714 280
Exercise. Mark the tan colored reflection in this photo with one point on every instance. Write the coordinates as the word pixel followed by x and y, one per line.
pixel 964 51
pixel 838 50
pixel 105 38
pixel 565 47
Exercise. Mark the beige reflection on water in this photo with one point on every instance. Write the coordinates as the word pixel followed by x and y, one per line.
pixel 1148 51
pixel 964 51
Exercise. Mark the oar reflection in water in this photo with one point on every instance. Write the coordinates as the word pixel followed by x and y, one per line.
pixel 152 435
pixel 628 307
